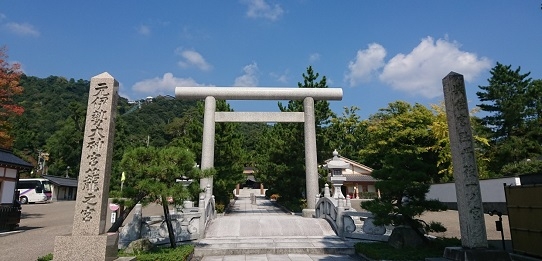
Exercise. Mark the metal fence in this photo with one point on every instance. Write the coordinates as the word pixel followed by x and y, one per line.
pixel 524 214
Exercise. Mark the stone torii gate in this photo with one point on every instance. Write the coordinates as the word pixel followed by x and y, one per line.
pixel 211 116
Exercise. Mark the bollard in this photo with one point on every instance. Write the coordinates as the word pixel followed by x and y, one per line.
pixel 498 225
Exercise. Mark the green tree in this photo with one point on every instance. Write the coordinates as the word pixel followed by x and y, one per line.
pixel 439 129
pixel 505 99
pixel 404 164
pixel 526 167
pixel 229 156
pixel 228 163
pixel 513 104
pixel 50 104
pixel 347 133
pixel 65 145
pixel 283 166
pixel 150 177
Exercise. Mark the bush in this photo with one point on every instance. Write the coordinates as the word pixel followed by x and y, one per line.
pixel 522 168
pixel 269 192
pixel 220 208
pixel 182 252
pixel 368 195
pixel 294 205
pixel 47 257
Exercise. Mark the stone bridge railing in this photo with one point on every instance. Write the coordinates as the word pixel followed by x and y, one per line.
pixel 189 223
pixel 346 221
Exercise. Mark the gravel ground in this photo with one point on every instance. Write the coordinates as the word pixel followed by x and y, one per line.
pixel 450 219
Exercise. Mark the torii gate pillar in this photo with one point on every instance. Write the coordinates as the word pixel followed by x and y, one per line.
pixel 308 95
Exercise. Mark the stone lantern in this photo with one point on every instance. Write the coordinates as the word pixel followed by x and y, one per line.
pixel 336 167
pixel 186 181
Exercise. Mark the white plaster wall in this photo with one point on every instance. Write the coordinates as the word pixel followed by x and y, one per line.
pixel 7 188
pixel 492 190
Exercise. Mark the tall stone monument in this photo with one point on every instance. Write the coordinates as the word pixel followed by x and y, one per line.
pixel 88 240
pixel 467 186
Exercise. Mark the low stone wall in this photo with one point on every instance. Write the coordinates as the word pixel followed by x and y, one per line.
pixel 492 191
pixel 186 227
pixel 188 222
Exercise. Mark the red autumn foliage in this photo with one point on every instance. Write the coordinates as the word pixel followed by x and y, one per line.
pixel 10 75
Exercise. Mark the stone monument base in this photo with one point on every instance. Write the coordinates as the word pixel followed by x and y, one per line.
pixel 308 212
pixel 86 248
pixel 463 254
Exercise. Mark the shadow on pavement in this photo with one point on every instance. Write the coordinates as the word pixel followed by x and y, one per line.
pixel 31 215
pixel 25 228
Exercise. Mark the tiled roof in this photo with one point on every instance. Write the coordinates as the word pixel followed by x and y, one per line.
pixel 61 181
pixel 353 163
pixel 9 160
pixel 359 178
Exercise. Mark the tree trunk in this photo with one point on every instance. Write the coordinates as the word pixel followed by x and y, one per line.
pixel 168 222
pixel 118 223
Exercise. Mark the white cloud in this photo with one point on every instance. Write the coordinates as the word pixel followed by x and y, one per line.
pixel 192 58
pixel 144 30
pixel 249 78
pixel 314 57
pixel 23 29
pixel 366 63
pixel 421 71
pixel 164 85
pixel 282 78
pixel 261 9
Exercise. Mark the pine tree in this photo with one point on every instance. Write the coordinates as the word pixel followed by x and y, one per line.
pixel 513 103
pixel 505 98
pixel 283 169
pixel 151 175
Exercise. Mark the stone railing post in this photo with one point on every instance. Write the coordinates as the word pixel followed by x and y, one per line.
pixel 327 194
pixel 339 220
pixel 203 218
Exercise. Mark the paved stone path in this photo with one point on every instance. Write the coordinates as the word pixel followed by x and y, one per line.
pixel 263 231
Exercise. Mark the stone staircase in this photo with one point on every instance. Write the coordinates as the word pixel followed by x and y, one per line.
pixel 274 245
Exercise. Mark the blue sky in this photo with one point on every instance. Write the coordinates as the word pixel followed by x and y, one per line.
pixel 377 51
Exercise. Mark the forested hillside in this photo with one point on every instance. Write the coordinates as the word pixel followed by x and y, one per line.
pixel 508 139
pixel 54 120
pixel 49 134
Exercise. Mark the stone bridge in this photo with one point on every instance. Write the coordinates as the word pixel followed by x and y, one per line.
pixel 261 227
